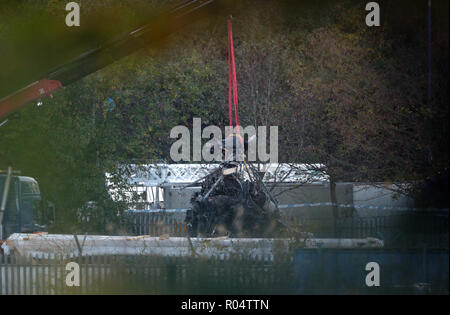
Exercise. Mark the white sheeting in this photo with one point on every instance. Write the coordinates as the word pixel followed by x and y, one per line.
pixel 65 244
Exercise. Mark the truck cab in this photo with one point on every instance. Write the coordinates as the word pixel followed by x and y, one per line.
pixel 22 211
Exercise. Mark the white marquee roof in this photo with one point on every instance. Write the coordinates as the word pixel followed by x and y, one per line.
pixel 182 174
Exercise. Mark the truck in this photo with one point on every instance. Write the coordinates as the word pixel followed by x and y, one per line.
pixel 22 209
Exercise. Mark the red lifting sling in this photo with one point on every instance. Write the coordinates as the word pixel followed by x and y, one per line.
pixel 232 82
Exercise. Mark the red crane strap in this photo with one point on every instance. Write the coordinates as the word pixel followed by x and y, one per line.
pixel 232 82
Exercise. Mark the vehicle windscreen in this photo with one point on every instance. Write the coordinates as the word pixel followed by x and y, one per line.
pixel 29 187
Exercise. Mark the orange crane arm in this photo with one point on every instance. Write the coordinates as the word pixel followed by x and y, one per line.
pixel 163 25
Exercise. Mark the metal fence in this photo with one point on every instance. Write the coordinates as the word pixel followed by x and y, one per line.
pixel 343 271
pixel 402 230
pixel 147 275
pixel 304 271
pixel 155 223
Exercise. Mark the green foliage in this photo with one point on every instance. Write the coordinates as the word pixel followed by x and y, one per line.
pixel 342 94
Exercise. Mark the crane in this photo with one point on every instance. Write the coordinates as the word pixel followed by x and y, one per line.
pixel 166 23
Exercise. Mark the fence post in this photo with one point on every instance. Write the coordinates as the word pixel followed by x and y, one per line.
pixel 171 274
pixel 424 262
pixel 1 276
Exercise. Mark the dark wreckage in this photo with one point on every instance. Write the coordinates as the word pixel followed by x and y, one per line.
pixel 234 202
